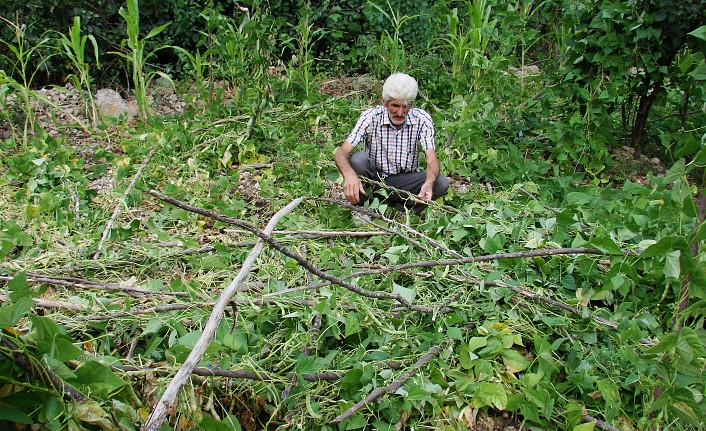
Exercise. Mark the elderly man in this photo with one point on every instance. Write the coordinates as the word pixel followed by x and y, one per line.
pixel 392 133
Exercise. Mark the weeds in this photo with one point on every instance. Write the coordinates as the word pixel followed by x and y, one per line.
pixel 300 65
pixel 26 61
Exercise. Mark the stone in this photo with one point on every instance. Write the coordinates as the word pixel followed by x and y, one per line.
pixel 111 104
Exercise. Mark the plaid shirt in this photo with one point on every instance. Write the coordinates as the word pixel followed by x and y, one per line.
pixel 393 151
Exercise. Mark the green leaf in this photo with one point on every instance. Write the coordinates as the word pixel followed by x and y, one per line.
pixel 664 246
pixel 688 336
pixel 356 421
pixel 699 32
pixel 588 426
pixel 667 343
pixel 466 356
pixel 155 31
pixel 699 72
pixel 212 262
pixel 490 394
pixel 454 332
pixel 697 284
pixel 210 424
pixel 352 377
pixel 10 315
pixel 51 339
pixel 408 294
pixel 476 343
pixel 91 412
pixel 514 361
pixel 100 379
pixel 606 245
pixel 352 324
pixel 8 414
pixel 383 426
pixel 578 199
pixel 611 396
pixel 19 287
pixel 672 267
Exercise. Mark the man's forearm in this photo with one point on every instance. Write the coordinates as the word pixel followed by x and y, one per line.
pixel 343 165
pixel 432 168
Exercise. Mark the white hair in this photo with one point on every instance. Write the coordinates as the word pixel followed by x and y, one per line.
pixel 400 86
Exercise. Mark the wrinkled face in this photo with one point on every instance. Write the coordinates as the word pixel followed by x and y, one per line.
pixel 397 110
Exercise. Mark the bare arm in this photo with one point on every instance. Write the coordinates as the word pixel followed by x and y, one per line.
pixel 352 187
pixel 432 174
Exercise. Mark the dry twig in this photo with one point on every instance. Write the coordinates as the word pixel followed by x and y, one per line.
pixel 116 211
pixel 392 387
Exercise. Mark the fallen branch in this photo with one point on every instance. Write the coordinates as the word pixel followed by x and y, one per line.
pixel 392 387
pixel 238 374
pixel 61 305
pixel 38 371
pixel 287 252
pixel 88 284
pixel 163 406
pixel 310 234
pixel 449 262
pixel 599 423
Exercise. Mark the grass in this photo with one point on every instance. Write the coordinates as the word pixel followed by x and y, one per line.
pixel 489 348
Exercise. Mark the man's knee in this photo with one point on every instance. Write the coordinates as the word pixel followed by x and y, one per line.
pixel 440 186
pixel 360 162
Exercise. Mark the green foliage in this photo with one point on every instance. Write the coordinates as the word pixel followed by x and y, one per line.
pixel 301 64
pixel 74 47
pixel 21 56
pixel 616 333
pixel 137 55
pixel 389 53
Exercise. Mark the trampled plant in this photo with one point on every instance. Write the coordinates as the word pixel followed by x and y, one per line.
pixel 556 299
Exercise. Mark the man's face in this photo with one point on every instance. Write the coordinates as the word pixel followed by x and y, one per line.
pixel 397 110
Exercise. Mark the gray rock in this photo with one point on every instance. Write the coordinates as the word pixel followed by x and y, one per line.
pixel 111 104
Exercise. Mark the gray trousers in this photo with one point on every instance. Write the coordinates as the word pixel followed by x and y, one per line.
pixel 408 181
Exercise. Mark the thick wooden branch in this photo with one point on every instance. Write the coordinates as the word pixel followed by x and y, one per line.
pixel 161 409
pixel 266 237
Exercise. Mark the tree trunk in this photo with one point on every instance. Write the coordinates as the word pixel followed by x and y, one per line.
pixel 643 112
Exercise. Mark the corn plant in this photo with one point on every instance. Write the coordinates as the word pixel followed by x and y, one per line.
pixel 391 48
pixel 20 55
pixel 137 55
pixel 74 47
pixel 301 62
pixel 469 43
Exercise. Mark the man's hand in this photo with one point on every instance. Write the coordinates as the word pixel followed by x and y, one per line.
pixel 352 188
pixel 426 191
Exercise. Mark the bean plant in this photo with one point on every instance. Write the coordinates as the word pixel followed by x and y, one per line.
pixel 558 285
